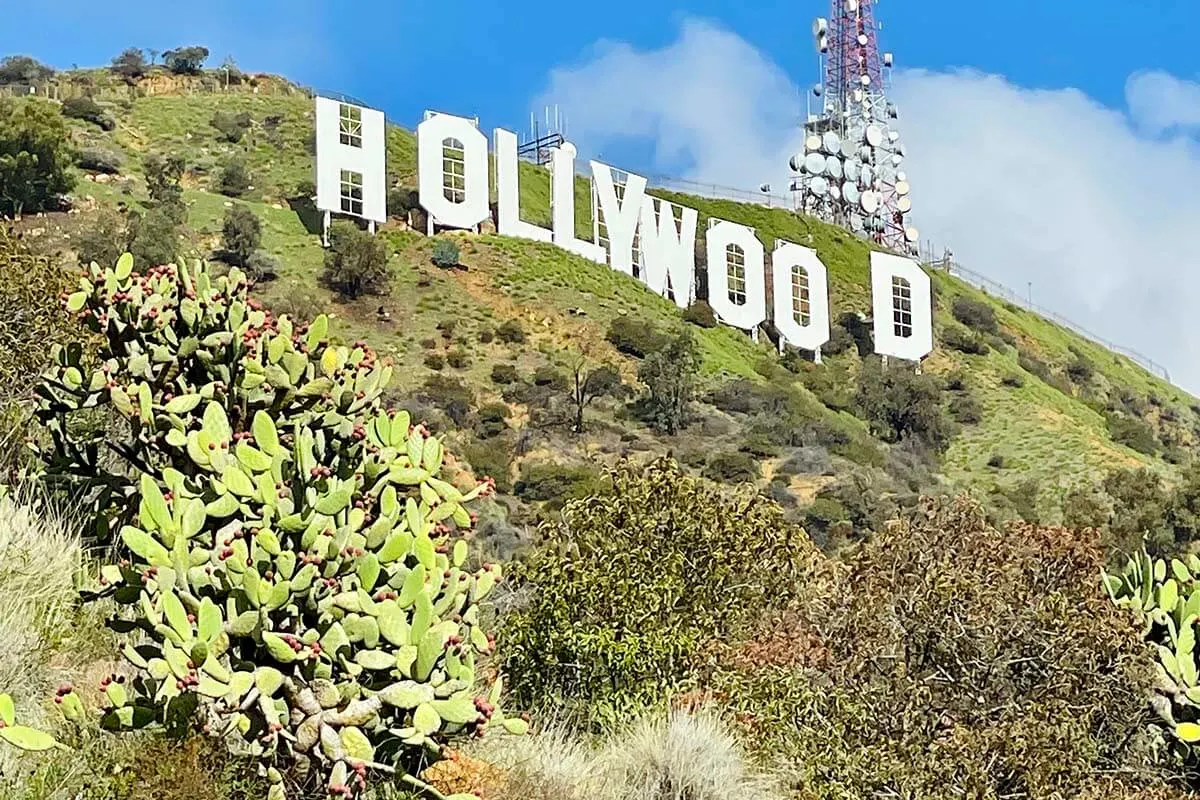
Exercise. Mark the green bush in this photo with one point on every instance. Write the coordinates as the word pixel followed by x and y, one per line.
pixel 35 156
pixel 87 109
pixel 670 377
pixel 234 180
pixel 898 404
pixel 511 332
pixel 504 374
pixel 554 484
pixel 435 361
pixel 458 359
pixel 635 337
pixel 491 457
pixel 963 340
pixel 231 127
pixel 163 176
pixel 996 461
pixel 23 70
pixel 491 420
pixel 618 610
pixel 975 314
pixel 131 64
pixel 966 408
pixel 548 376
pixel 97 160
pixel 486 335
pixel 186 60
pixel 732 468
pixel 449 395
pixel 103 239
pixel 356 262
pixel 262 266
pixel 1080 370
pixel 241 235
pixel 275 555
pixel 154 236
pixel 1133 432
pixel 445 253
pixel 1013 380
pixel 700 313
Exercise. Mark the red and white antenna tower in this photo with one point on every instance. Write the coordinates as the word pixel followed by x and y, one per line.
pixel 850 171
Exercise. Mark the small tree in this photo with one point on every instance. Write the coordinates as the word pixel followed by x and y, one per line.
pixel 185 60
pixel 590 381
pixel 670 377
pixel 899 404
pixel 104 240
pixel 163 176
pixel 241 235
pixel 234 180
pixel 87 109
pixel 155 237
pixel 230 125
pixel 35 156
pixel 356 262
pixel 131 64
pixel 23 70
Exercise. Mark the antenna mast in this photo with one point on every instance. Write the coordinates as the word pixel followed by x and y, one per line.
pixel 849 172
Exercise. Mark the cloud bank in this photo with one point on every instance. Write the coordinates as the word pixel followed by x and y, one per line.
pixel 1098 208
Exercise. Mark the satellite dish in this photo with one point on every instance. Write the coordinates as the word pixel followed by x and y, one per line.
pixel 865 80
pixel 862 39
pixel 814 163
pixel 850 192
pixel 852 6
pixel 901 188
pixel 820 25
pixel 912 234
pixel 858 95
pixel 833 167
pixel 874 135
pixel 765 188
pixel 812 143
pixel 850 170
pixel 831 143
pixel 897 159
pixel 835 191
pixel 893 136
pixel 822 45
pixel 904 205
pixel 817 90
pixel 796 163
pixel 818 186
pixel 849 148
pixel 887 59
pixel 856 223
pixel 901 176
pixel 869 202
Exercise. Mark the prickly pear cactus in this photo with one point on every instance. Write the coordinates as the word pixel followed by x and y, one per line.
pixel 1166 597
pixel 296 576
pixel 22 736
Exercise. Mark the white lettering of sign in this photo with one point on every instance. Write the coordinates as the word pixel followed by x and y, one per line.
pixel 452 161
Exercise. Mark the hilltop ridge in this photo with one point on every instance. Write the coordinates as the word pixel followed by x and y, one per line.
pixel 1036 408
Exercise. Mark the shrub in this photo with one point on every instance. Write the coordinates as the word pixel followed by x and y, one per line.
pixel 878 697
pixel 617 613
pixel 898 403
pixel 732 468
pixel 1133 432
pixel 231 127
pixel 131 64
pixel 97 160
pixel 975 314
pixel 234 180
pixel 401 200
pixel 504 374
pixel 839 342
pixel 446 327
pixel 963 340
pixel 1080 370
pixel 546 375
pixel 491 420
pixel 154 236
pixel 554 484
pixel 511 332
pixel 700 313
pixel 306 188
pixel 450 395
pixel 163 176
pixel 262 266
pixel 35 156
pixel 241 235
pixel 185 60
pixel 491 457
pixel 1084 507
pixel 104 239
pixel 486 335
pixel 252 506
pixel 458 359
pixel 1013 380
pixel 966 408
pixel 445 253
pixel 634 337
pixel 670 378
pixel 1033 366
pixel 23 70
pixel 435 361
pixel 813 460
pixel 356 262
pixel 996 461
pixel 87 109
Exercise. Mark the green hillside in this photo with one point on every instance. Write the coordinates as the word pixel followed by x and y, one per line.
pixel 1046 396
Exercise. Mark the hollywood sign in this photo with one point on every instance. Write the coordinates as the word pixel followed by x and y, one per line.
pixel 647 238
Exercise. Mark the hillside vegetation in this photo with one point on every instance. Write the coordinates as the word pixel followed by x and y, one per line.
pixel 464 516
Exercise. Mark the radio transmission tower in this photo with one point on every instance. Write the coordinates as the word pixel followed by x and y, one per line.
pixel 850 172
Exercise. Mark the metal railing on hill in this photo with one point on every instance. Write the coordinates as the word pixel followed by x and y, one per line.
pixel 718 192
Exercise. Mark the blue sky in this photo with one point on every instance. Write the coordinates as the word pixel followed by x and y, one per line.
pixel 1055 146
pixel 491 58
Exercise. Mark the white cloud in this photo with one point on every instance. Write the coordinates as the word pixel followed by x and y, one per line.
pixel 1099 208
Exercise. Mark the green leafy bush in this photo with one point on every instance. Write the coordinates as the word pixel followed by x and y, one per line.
pixel 154 236
pixel 505 374
pixel 445 253
pixel 234 179
pixel 87 109
pixel 700 313
pixel 23 70
pixel 732 468
pixel 634 337
pixel 963 340
pixel 898 403
pixel 1133 432
pixel 97 160
pixel 261 266
pixel 231 127
pixel 241 235
pixel 131 64
pixel 35 156
pixel 458 359
pixel 291 577
pixel 670 377
pixel 618 610
pixel 511 332
pixel 435 361
pixel 185 60
pixel 554 484
pixel 966 408
pixel 356 262
pixel 975 314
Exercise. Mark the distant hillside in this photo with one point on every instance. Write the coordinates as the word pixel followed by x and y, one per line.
pixel 1040 410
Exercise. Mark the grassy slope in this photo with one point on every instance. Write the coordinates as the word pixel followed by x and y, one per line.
pixel 1039 430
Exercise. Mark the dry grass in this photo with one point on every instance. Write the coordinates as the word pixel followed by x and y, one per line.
pixel 39 559
pixel 678 756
